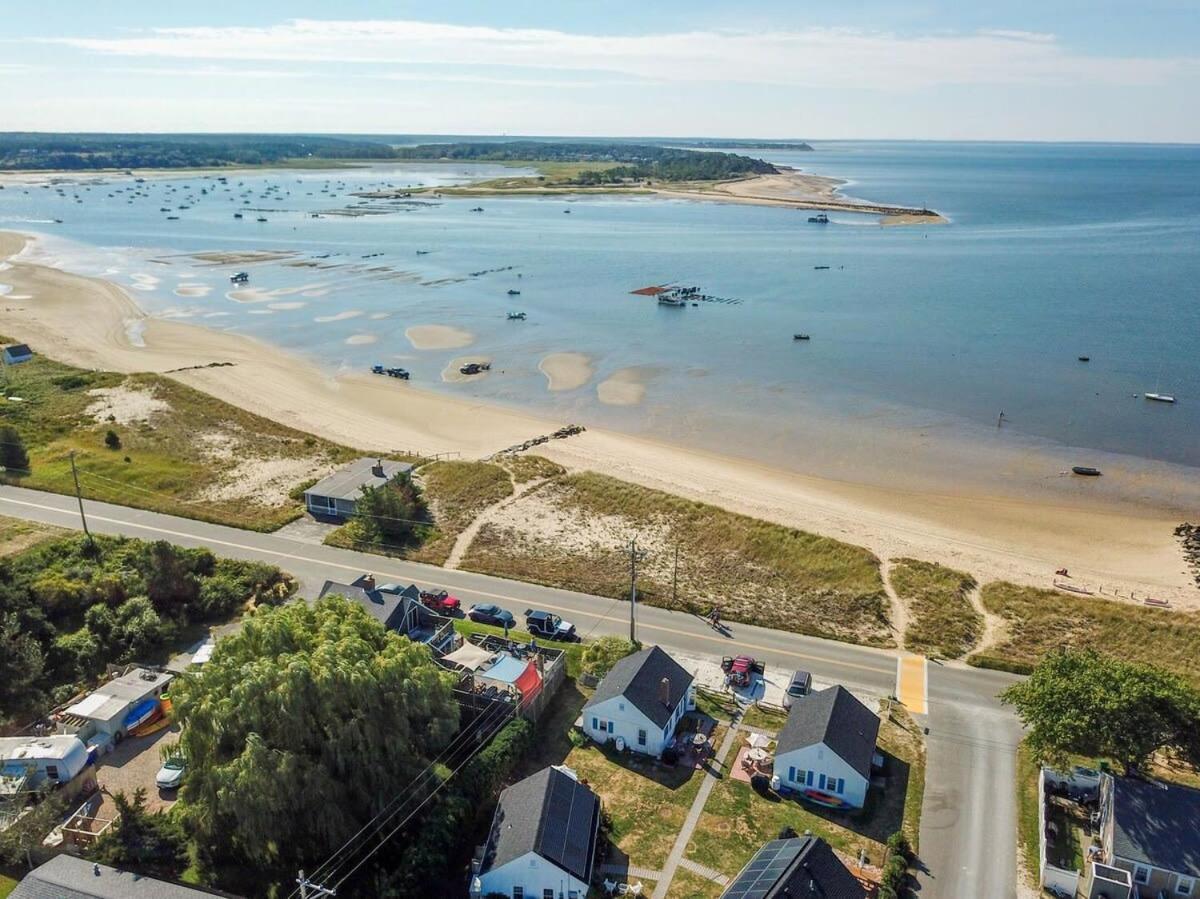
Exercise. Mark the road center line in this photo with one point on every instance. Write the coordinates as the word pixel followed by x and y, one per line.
pixel 723 641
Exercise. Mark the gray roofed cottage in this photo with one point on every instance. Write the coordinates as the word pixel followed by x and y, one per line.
pixel 837 719
pixel 16 353
pixel 68 877
pixel 337 494
pixel 638 678
pixel 797 868
pixel 1152 824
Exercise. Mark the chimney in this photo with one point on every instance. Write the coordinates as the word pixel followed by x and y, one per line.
pixel 377 468
pixel 367 582
pixel 664 691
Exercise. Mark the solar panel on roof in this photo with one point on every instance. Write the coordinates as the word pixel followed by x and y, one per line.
pixel 764 870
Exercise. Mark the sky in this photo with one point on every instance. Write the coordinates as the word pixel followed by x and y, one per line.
pixel 1055 70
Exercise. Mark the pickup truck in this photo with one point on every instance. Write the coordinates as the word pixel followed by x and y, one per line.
pixel 551 627
pixel 740 671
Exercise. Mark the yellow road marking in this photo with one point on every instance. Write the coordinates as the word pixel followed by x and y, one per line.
pixel 912 682
pixel 358 569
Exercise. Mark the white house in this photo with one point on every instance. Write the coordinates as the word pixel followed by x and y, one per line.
pixel 102 714
pixel 641 700
pixel 826 748
pixel 26 763
pixel 542 844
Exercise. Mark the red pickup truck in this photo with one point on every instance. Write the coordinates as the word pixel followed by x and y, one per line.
pixel 740 671
pixel 441 602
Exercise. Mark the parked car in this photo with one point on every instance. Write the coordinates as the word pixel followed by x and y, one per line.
pixel 740 671
pixel 441 602
pixel 798 687
pixel 549 626
pixel 170 775
pixel 489 614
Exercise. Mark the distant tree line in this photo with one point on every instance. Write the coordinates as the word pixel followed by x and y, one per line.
pixel 76 152
pixel 636 161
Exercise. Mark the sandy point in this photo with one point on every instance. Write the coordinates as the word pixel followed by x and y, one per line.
pixel 566 371
pixel 360 339
pixel 624 387
pixel 192 290
pixel 438 337
pixel 452 375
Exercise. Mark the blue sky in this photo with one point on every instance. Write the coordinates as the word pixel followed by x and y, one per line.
pixel 1019 70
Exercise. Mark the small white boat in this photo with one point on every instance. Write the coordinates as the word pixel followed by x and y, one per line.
pixel 1159 397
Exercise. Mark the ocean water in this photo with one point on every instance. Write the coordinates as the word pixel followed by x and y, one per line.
pixel 920 335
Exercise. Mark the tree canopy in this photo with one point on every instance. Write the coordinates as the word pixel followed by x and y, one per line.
pixel 303 726
pixel 388 515
pixel 1087 703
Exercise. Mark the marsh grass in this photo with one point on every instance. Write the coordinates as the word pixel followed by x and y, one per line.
pixel 942 621
pixel 1038 621
pixel 759 572
pixel 163 463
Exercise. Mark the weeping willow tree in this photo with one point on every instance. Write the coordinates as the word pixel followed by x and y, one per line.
pixel 301 727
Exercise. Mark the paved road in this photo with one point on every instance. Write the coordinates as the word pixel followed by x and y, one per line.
pixel 968 823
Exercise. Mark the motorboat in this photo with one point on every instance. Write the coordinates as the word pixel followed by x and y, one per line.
pixel 1159 397
pixel 819 219
pixel 1086 471
pixel 516 316
pixel 800 337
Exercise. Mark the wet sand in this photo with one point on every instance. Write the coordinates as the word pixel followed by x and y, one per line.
pixel 451 374
pixel 626 387
pixel 566 371
pixel 1117 543
pixel 438 337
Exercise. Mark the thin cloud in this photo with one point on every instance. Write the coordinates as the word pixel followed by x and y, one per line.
pixel 810 57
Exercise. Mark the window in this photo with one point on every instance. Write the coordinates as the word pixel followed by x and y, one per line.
pixel 52 771
pixel 518 892
pixel 1185 886
pixel 641 737
pixel 835 784
pixel 610 727
pixel 1141 874
pixel 547 894
pixel 621 706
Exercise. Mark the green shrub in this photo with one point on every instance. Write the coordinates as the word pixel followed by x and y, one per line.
pixel 112 439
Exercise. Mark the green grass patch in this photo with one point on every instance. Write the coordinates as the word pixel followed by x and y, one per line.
pixel 1027 812
pixel 7 885
pixel 942 621
pixel 686 885
pixel 530 468
pixel 180 451
pixel 764 718
pixel 456 493
pixel 760 572
pixel 1038 621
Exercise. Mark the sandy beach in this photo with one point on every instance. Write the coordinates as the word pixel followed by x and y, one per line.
pixel 1123 547
pixel 566 371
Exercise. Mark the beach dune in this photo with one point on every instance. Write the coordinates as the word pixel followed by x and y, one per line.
pixel 566 371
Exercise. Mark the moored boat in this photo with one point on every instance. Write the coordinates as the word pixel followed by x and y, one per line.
pixel 1159 397
pixel 1086 470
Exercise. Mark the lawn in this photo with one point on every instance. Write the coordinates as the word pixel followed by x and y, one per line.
pixel 737 821
pixel 572 533
pixel 456 492
pixel 173 449
pixel 942 621
pixel 1027 812
pixel 7 885
pixel 1038 621
pixel 764 718
pixel 686 885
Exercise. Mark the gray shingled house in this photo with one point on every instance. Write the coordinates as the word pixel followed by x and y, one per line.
pixel 68 877
pixel 797 868
pixel 826 748
pixel 336 496
pixel 542 841
pixel 641 700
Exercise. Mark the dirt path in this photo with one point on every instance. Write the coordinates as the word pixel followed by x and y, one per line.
pixel 993 625
pixel 899 610
pixel 463 543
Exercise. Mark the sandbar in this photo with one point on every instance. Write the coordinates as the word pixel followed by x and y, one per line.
pixel 452 375
pixel 566 371
pixel 624 387
pixel 438 337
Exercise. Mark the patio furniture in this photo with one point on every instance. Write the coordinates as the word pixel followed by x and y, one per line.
pixel 636 888
pixel 757 756
pixel 622 889
pixel 759 741
pixel 699 740
pixel 609 886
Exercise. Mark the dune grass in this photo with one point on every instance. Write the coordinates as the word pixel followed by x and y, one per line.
pixel 942 621
pixel 1038 621
pixel 759 572
pixel 530 468
pixel 165 461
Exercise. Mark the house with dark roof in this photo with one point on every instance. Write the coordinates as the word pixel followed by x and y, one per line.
pixel 797 868
pixel 827 747
pixel 543 839
pixel 336 496
pixel 640 701
pixel 68 877
pixel 1152 830
pixel 16 353
pixel 397 608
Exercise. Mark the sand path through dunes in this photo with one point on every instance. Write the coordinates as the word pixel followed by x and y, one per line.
pixel 89 323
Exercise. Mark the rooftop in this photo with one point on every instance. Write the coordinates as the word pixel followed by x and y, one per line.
pixel 638 677
pixel 1155 823
pixel 833 717
pixel 111 698
pixel 348 482
pixel 550 813
pixel 56 746
pixel 796 868
pixel 68 877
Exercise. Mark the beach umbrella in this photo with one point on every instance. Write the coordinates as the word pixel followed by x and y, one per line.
pixel 759 741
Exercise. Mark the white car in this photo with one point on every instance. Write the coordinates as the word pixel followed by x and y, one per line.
pixel 170 775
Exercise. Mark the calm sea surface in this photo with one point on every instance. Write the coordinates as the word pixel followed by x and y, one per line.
pixel 1054 251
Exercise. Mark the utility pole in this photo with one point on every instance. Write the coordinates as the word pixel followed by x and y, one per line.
pixel 318 890
pixel 675 580
pixel 79 497
pixel 633 560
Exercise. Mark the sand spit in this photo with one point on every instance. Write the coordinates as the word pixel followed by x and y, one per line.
pixel 339 316
pixel 1120 544
pixel 360 339
pixel 624 387
pixel 452 375
pixel 438 337
pixel 566 371
pixel 264 295
pixel 192 290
